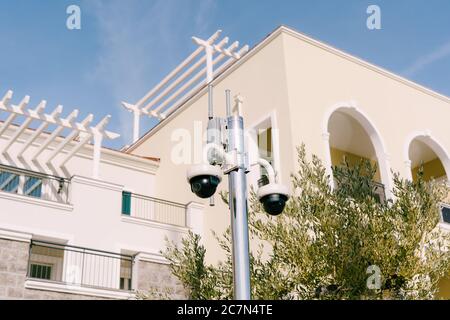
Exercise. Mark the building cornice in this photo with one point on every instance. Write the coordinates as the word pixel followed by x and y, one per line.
pixel 195 205
pixel 15 235
pixel 154 224
pixel 361 62
pixel 74 289
pixel 35 201
pixel 97 183
pixel 152 257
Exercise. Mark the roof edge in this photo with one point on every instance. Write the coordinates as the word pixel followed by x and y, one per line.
pixel 364 63
pixel 261 44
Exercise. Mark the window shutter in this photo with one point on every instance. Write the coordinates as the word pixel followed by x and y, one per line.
pixel 126 203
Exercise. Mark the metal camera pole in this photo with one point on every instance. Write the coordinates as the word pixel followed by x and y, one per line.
pixel 238 205
pixel 233 162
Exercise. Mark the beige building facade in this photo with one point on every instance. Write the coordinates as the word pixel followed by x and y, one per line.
pixel 298 90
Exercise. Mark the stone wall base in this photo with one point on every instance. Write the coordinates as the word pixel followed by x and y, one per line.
pixel 156 281
pixel 153 280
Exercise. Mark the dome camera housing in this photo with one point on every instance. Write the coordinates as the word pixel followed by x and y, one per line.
pixel 204 179
pixel 273 197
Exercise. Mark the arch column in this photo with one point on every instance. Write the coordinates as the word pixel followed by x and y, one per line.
pixel 408 170
pixel 328 163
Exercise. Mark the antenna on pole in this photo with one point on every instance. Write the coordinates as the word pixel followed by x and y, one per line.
pixel 210 102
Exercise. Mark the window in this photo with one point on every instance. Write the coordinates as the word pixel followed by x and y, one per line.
pixel 125 274
pixel 9 182
pixel 126 203
pixel 32 187
pixel 265 146
pixel 12 182
pixel 34 184
pixel 40 271
pixel 445 211
pixel 125 284
pixel 262 140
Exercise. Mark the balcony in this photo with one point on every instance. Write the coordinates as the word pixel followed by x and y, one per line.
pixel 76 266
pixel 34 184
pixel 153 209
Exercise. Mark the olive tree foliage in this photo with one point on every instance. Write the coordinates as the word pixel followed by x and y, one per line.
pixel 332 243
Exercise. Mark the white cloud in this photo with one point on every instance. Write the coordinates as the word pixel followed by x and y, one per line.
pixel 140 40
pixel 423 62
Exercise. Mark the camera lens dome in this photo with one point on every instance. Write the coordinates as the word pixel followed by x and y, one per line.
pixel 204 179
pixel 273 197
pixel 204 186
pixel 274 203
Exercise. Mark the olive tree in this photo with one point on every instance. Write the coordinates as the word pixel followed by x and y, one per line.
pixel 332 243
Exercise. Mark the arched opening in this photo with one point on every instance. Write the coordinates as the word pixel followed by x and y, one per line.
pixel 426 153
pixel 423 152
pixel 353 136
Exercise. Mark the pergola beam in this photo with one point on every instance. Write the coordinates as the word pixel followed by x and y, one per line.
pixel 72 116
pixel 169 110
pixel 159 101
pixel 18 110
pixel 85 139
pixel 39 109
pixel 7 98
pixel 162 95
pixel 241 52
pixel 13 116
pixel 186 62
pixel 69 138
pixel 193 80
pixel 83 129
pixel 181 78
pixel 55 114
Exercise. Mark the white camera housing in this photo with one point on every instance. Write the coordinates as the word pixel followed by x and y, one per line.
pixel 273 197
pixel 204 179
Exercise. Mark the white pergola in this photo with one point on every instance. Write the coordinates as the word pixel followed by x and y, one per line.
pixel 186 79
pixel 80 132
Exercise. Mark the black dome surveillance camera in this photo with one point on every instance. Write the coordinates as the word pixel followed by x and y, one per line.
pixel 204 180
pixel 273 197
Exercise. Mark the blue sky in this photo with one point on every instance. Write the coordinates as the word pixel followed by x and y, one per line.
pixel 126 47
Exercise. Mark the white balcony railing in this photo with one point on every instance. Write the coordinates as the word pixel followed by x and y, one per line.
pixel 34 184
pixel 79 266
pixel 153 209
